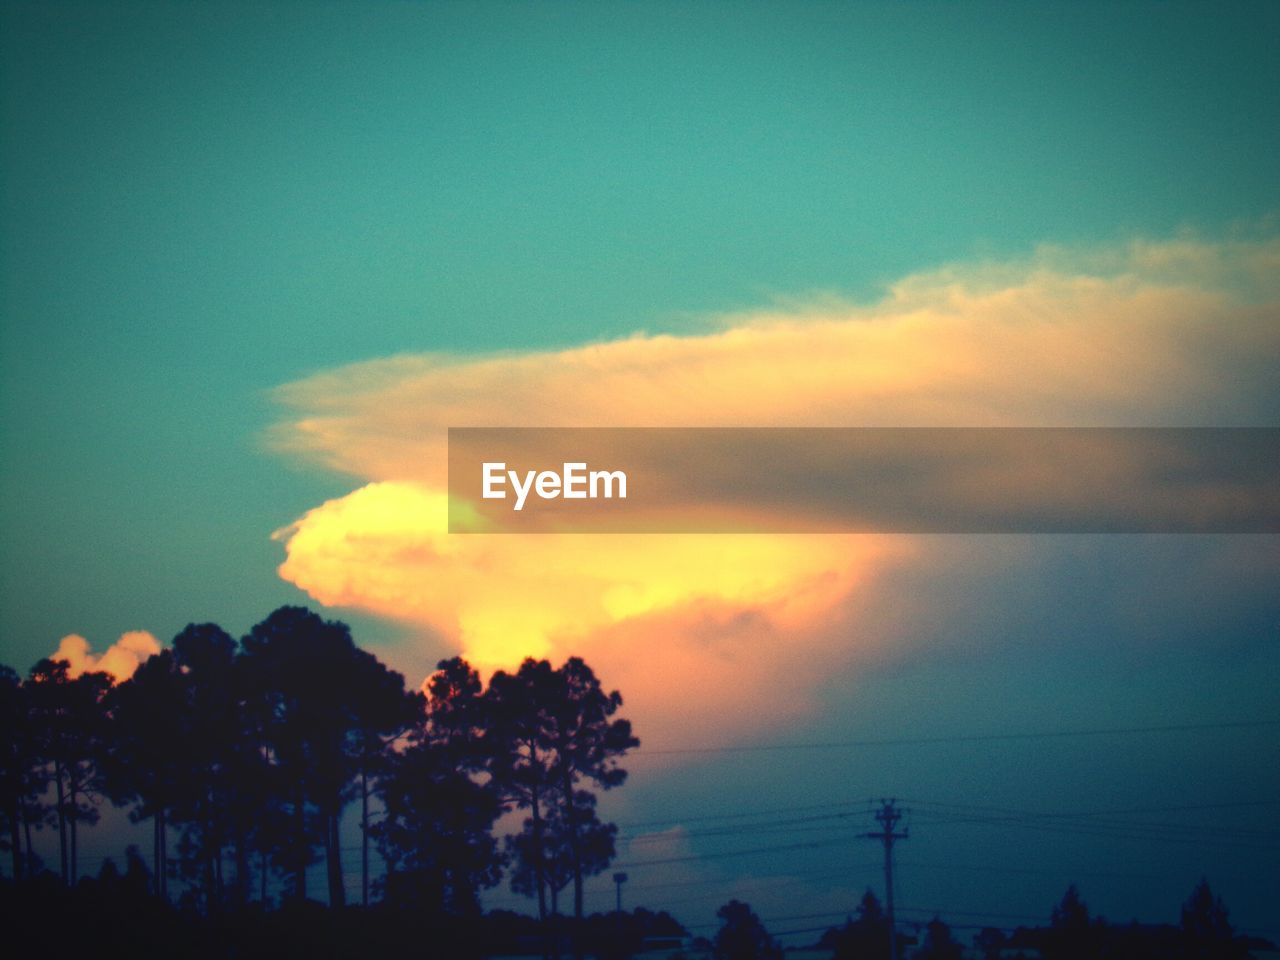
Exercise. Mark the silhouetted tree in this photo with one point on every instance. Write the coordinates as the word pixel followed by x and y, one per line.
pixel 742 936
pixel 146 762
pixel 293 663
pixel 459 714
pixel 538 857
pixel 224 800
pixel 19 784
pixel 436 833
pixel 521 753
pixel 866 938
pixel 68 720
pixel 1071 914
pixel 308 678
pixel 938 943
pixel 588 745
pixel 1070 933
pixel 256 747
pixel 440 800
pixel 990 940
pixel 1206 930
pixel 591 847
pixel 552 730
pixel 382 712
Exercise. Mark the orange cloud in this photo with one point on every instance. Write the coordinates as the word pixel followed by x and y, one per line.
pixel 702 632
pixel 119 660
pixel 506 597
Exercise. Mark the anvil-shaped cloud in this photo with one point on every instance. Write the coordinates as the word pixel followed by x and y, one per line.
pixel 696 630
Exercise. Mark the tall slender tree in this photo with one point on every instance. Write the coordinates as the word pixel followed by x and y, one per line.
pixel 381 714
pixel 436 835
pixel 588 744
pixel 553 732
pixel 224 795
pixel 522 755
pixel 325 706
pixel 560 854
pixel 866 938
pixel 17 781
pixel 441 799
pixel 146 763
pixel 68 718
pixel 290 658
pixel 1206 929
pixel 1071 932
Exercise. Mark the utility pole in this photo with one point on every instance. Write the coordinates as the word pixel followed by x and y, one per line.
pixel 888 817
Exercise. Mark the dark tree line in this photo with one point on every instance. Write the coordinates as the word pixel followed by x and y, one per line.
pixel 244 756
pixel 1071 934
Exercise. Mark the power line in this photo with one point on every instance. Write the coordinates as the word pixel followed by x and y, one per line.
pixel 963 738
pixel 1031 871
pixel 724 854
pixel 1091 823
pixel 1111 824
pixel 1164 808
pixel 766 827
pixel 679 821
pixel 864 806
pixel 1203 836
pixel 728 887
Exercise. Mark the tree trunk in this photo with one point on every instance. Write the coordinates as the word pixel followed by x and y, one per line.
pixel 217 871
pixel 210 883
pixel 300 849
pixel 337 893
pixel 72 816
pixel 15 838
pixel 164 854
pixel 539 873
pixel 62 821
pixel 555 924
pixel 575 854
pixel 571 818
pixel 364 830
pixel 155 852
pixel 242 862
pixel 213 855
pixel 31 851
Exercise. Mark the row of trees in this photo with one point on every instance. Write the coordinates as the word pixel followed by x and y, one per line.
pixel 250 752
pixel 1072 934
pixel 1204 933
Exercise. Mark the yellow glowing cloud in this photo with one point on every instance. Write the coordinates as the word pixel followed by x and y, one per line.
pixel 694 629
pixel 384 548
pixel 119 660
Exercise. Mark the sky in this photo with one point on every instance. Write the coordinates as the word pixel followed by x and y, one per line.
pixel 256 258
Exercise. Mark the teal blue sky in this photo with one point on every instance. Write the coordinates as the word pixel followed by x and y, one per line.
pixel 201 202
